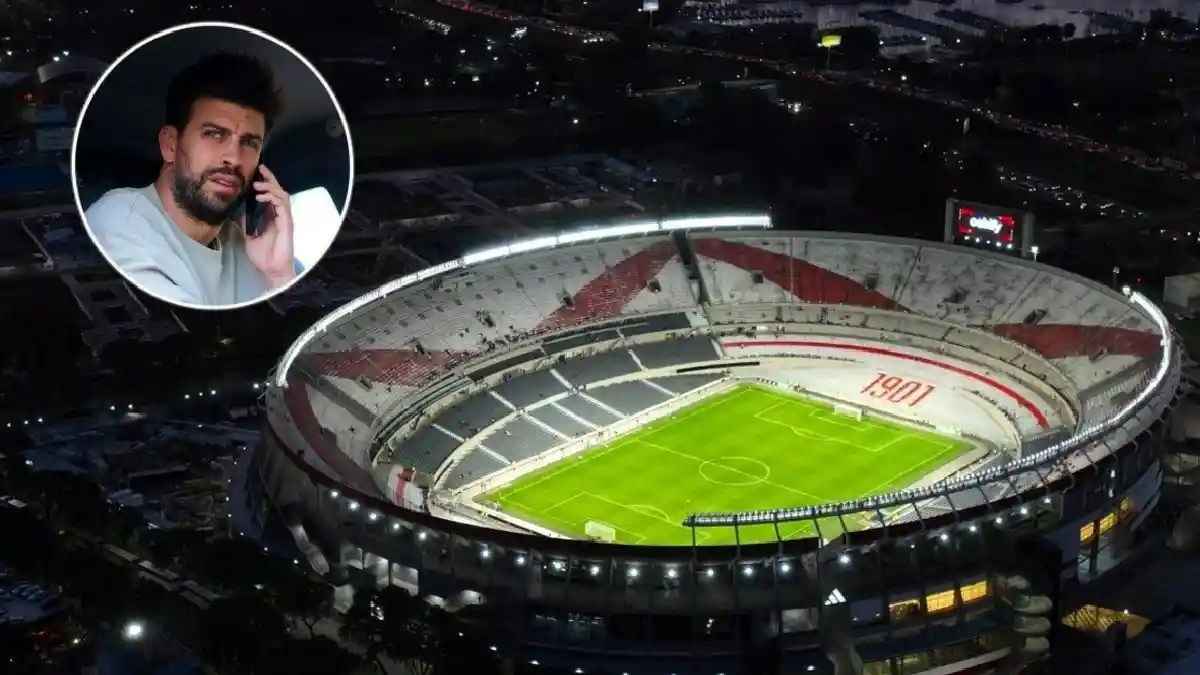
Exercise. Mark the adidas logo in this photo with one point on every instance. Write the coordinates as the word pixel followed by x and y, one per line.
pixel 835 598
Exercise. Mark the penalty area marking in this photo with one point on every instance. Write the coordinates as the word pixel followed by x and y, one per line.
pixel 648 512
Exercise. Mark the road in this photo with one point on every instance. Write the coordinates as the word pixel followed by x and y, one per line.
pixel 1073 159
pixel 330 628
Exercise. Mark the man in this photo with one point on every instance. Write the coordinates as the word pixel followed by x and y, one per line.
pixel 183 239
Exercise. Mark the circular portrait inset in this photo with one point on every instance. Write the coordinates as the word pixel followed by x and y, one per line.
pixel 212 165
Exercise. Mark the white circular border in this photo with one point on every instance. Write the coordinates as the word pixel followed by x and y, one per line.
pixel 337 106
pixel 717 462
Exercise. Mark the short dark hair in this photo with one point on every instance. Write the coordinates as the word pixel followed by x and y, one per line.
pixel 236 78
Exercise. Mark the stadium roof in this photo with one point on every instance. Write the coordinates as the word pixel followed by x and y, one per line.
pixel 70 65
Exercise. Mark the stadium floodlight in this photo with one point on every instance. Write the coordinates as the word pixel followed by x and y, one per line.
pixel 717 222
pixel 486 255
pixel 433 271
pixel 532 245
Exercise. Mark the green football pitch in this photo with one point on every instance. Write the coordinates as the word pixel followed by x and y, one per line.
pixel 750 448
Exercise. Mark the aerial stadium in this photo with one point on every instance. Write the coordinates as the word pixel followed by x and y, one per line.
pixel 702 445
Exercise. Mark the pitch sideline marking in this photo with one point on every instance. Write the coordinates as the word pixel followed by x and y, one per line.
pixel 810 434
pixel 700 536
pixel 813 435
pixel 545 513
pixel 564 502
pixel 821 407
pixel 929 460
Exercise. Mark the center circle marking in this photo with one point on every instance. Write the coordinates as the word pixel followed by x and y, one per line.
pixel 735 471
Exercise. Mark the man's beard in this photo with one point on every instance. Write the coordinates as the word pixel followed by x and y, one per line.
pixel 190 196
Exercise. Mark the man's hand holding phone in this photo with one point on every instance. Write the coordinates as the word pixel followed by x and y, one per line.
pixel 272 250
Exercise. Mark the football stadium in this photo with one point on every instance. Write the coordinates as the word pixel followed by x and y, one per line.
pixel 703 445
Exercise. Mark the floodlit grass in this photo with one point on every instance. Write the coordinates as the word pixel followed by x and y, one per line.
pixel 746 449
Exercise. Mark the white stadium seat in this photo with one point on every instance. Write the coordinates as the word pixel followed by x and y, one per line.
pixel 415 337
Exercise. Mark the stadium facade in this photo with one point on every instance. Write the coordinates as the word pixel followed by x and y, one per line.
pixel 372 453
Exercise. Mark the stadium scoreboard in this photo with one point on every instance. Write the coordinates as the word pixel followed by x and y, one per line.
pixel 990 227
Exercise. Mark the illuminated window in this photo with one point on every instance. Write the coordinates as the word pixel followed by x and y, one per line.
pixel 903 609
pixel 974 592
pixel 1087 533
pixel 1107 522
pixel 940 602
pixel 1126 508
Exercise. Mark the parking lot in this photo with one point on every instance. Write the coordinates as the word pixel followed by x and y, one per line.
pixel 23 602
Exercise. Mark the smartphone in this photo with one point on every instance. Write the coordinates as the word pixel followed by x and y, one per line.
pixel 254 209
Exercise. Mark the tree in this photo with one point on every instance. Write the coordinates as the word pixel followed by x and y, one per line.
pixel 101 585
pixel 18 647
pixel 303 599
pixel 174 548
pixel 237 630
pixel 73 498
pixel 363 625
pixel 25 540
pixel 14 473
pixel 237 563
pixel 124 527
pixel 460 648
pixel 408 633
pixel 314 656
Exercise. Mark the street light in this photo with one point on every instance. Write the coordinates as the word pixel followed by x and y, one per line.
pixel 828 42
pixel 133 631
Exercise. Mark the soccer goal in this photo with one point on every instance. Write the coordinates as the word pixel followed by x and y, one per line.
pixel 848 410
pixel 600 531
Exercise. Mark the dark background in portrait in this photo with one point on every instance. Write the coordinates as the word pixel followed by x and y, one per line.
pixel 118 146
